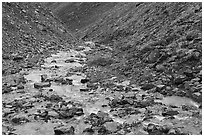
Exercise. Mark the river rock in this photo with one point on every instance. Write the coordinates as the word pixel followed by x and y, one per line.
pixel 88 131
pixel 179 80
pixel 69 61
pixel 53 61
pixel 84 89
pixel 17 58
pixel 83 81
pixel 42 85
pixel 64 130
pixel 19 119
pixel 43 77
pixel 55 98
pixel 170 113
pixel 20 86
pixel 147 86
pixel 6 89
pixel 172 132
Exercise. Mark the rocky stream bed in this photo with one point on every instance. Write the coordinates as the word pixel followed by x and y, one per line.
pixel 58 98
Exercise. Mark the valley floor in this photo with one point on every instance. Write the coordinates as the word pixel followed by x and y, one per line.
pixel 59 98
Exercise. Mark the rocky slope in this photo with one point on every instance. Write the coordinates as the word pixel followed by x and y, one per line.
pixel 30 30
pixel 158 43
pixel 77 15
pixel 132 76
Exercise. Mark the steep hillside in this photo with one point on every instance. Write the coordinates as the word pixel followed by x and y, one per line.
pixel 137 69
pixel 77 15
pixel 30 31
pixel 157 43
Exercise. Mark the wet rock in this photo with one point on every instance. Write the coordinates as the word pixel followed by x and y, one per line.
pixel 68 81
pixel 76 111
pixel 55 98
pixel 103 131
pixel 53 61
pixel 7 111
pixel 43 77
pixel 88 131
pixel 188 73
pixel 29 65
pixel 69 61
pixel 130 95
pixel 151 128
pixel 17 58
pixel 59 79
pixel 170 113
pixel 104 117
pixel 172 132
pixel 19 119
pixel 148 86
pixel 42 85
pixel 20 86
pixel 197 96
pixel 69 113
pixel 83 81
pixel 79 48
pixel 6 89
pixel 64 130
pixel 179 79
pixel 159 88
pixel 84 89
pixel 165 129
pixel 93 119
pixel 42 114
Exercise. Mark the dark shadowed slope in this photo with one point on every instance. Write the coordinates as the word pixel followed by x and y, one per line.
pixel 77 15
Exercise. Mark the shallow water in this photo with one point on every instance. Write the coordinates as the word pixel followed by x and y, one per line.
pixel 178 101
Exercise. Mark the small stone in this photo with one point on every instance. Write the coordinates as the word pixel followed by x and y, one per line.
pixel 19 119
pixel 53 61
pixel 83 81
pixel 17 58
pixel 197 96
pixel 151 128
pixel 53 114
pixel 20 86
pixel 165 129
pixel 55 98
pixel 148 86
pixel 170 113
pixel 64 130
pixel 179 80
pixel 88 131
pixel 69 61
pixel 69 81
pixel 6 89
pixel 42 85
pixel 160 68
pixel 172 132
pixel 84 90
pixel 59 79
pixel 43 77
